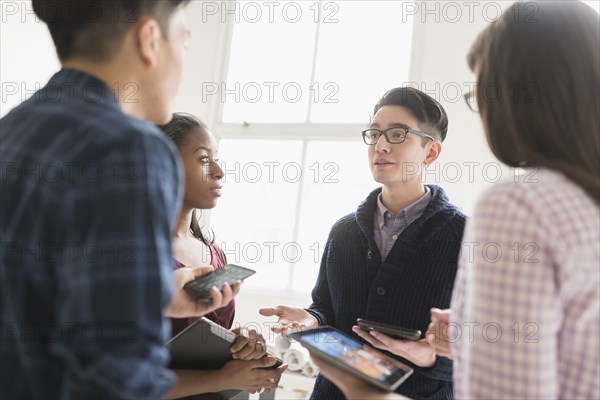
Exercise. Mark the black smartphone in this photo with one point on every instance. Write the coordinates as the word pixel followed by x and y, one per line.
pixel 200 287
pixel 392 331
pixel 354 357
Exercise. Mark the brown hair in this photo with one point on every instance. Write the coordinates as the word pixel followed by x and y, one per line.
pixel 538 90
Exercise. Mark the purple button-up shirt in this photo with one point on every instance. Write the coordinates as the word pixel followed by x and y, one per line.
pixel 387 226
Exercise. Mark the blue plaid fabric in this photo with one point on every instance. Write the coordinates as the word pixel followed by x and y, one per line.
pixel 89 200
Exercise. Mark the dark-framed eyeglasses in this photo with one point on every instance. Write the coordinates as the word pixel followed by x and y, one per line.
pixel 394 135
pixel 471 101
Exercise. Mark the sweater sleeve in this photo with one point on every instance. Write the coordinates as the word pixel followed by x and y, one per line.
pixel 321 306
pixel 441 370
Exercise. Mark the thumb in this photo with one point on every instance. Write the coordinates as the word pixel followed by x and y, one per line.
pixel 438 315
pixel 269 311
pixel 264 362
pixel 201 271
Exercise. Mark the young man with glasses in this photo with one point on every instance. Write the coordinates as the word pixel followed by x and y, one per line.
pixel 396 257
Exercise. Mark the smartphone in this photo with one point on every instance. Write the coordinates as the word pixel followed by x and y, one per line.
pixel 392 331
pixel 358 359
pixel 200 287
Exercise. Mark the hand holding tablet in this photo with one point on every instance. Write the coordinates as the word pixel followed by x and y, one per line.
pixel 358 359
pixel 418 351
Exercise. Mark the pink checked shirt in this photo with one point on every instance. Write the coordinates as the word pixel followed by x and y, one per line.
pixel 526 303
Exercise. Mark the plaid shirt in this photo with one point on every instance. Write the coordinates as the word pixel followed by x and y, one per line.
pixel 526 305
pixel 89 200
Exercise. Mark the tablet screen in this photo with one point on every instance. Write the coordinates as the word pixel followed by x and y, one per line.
pixel 362 358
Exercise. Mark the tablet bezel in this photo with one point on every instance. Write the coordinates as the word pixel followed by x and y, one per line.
pixel 203 331
pixel 395 332
pixel 385 385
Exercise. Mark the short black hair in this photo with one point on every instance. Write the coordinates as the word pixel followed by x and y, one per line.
pixel 429 112
pixel 94 28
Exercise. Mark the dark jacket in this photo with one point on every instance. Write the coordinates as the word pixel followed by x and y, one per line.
pixel 418 274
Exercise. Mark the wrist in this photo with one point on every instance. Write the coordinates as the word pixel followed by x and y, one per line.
pixel 317 321
pixel 316 318
pixel 431 363
pixel 219 379
pixel 192 382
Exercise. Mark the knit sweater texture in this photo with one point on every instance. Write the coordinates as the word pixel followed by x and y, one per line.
pixel 418 274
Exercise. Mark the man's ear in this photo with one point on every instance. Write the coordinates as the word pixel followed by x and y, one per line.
pixel 148 40
pixel 434 152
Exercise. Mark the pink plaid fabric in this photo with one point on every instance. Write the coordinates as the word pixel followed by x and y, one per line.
pixel 526 303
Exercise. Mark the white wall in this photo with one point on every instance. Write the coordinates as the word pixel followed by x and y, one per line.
pixel 27 55
pixel 442 41
pixel 204 63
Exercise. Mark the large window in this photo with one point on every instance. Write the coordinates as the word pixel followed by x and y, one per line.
pixel 315 61
pixel 301 84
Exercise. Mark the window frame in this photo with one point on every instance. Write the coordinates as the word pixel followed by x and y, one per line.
pixel 304 131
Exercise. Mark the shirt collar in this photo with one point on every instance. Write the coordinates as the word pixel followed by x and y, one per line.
pixel 77 85
pixel 411 212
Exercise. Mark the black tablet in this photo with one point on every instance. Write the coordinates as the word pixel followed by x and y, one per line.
pixel 202 345
pixel 358 359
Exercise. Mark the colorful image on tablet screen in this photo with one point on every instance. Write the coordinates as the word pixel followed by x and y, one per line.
pixel 353 353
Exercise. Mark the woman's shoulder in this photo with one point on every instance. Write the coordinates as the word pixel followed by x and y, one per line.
pixel 218 259
pixel 538 196
pixel 537 187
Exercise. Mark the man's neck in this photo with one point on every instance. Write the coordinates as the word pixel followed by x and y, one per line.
pixel 111 76
pixel 397 198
